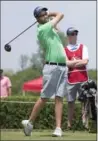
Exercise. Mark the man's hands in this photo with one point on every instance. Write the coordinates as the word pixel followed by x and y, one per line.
pixel 81 63
pixel 71 63
pixel 76 63
pixel 9 91
pixel 57 18
pixel 51 18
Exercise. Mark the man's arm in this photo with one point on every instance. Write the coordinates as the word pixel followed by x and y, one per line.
pixel 57 18
pixel 85 57
pixel 9 91
pixel 77 63
pixel 47 27
pixel 70 63
pixel 9 87
pixel 81 63
pixel 56 28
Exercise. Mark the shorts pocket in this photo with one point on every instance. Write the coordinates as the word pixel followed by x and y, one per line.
pixel 48 69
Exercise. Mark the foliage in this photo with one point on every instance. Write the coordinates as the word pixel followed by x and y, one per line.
pixel 12 114
pixel 22 76
pixel 26 98
pixel 23 61
pixel 8 72
pixel 35 61
pixel 92 74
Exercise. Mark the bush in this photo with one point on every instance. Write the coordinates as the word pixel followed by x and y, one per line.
pixel 21 98
pixel 92 74
pixel 27 98
pixel 12 114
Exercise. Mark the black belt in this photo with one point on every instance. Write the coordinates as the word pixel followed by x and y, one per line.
pixel 59 64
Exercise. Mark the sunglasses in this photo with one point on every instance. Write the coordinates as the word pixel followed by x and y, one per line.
pixel 73 34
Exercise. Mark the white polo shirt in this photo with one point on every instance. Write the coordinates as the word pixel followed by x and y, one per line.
pixel 75 47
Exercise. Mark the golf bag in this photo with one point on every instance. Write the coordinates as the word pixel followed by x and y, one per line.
pixel 88 98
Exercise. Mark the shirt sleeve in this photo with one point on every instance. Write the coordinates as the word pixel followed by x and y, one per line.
pixel 45 28
pixel 85 53
pixel 9 83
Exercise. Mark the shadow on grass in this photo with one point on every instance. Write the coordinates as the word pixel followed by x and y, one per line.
pixel 49 135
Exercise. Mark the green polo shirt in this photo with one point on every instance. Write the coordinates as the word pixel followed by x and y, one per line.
pixel 51 43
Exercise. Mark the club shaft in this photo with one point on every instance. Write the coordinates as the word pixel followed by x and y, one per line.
pixel 22 32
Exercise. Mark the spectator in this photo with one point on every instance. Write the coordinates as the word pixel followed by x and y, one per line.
pixel 5 85
pixel 77 59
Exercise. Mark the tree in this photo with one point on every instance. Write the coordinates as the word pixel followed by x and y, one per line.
pixel 41 53
pixel 35 61
pixel 23 61
pixel 92 74
pixel 8 72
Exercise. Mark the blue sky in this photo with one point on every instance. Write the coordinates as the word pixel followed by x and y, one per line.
pixel 18 15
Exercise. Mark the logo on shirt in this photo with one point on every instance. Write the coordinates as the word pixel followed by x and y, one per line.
pixel 74 48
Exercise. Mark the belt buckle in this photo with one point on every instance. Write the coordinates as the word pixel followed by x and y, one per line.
pixel 54 63
pixel 50 63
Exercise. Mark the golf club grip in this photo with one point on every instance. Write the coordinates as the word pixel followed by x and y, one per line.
pixel 22 32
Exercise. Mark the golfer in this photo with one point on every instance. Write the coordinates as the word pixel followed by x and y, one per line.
pixel 77 60
pixel 54 70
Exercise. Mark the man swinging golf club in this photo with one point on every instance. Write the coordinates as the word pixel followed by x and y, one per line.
pixel 54 69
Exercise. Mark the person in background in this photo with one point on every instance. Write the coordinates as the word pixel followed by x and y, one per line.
pixel 76 60
pixel 5 85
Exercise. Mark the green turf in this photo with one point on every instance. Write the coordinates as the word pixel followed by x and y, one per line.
pixel 46 135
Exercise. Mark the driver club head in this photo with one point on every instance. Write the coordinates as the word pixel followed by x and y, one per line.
pixel 7 47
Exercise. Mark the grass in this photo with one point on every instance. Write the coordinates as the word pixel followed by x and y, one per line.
pixel 46 135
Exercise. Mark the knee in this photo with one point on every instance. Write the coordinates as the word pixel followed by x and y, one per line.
pixel 71 104
pixel 58 99
pixel 43 100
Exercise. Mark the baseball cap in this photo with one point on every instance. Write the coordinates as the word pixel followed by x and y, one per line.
pixel 71 30
pixel 38 10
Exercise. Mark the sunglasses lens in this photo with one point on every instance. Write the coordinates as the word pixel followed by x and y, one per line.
pixel 73 34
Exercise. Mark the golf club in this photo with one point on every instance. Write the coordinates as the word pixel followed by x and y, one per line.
pixel 7 47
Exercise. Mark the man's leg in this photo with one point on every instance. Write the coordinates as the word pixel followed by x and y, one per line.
pixel 28 123
pixel 58 111
pixel 71 97
pixel 58 116
pixel 71 106
pixel 36 109
pixel 60 91
pixel 47 91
